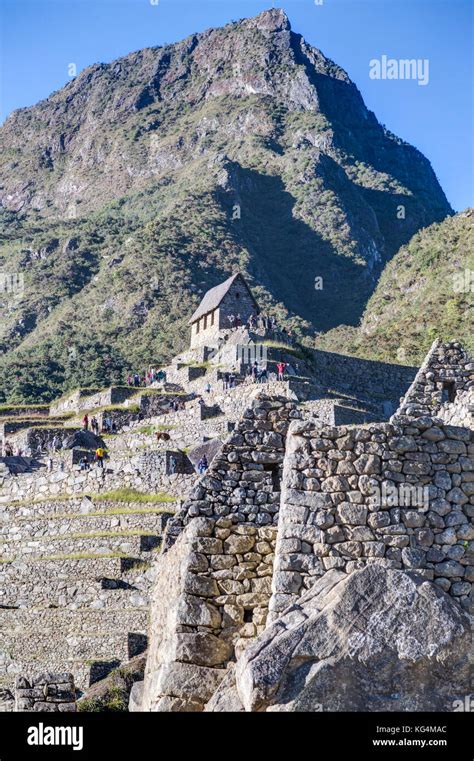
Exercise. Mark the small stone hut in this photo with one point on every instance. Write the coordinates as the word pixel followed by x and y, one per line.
pixel 233 296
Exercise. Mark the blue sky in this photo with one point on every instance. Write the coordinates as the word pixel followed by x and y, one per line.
pixel 40 38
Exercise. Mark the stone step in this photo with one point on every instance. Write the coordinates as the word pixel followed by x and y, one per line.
pixel 59 526
pixel 77 594
pixel 70 623
pixel 126 568
pixel 34 652
pixel 137 545
pixel 82 506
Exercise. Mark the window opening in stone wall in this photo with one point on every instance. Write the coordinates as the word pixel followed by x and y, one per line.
pixel 274 469
pixel 212 318
pixel 448 393
pixel 248 616
pixel 205 321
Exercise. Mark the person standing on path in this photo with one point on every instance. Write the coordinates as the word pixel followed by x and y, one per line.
pixel 99 456
pixel 85 422
pixel 281 369
pixel 203 465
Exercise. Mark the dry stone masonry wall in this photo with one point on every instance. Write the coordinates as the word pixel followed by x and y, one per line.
pixel 244 479
pixel 210 600
pixel 46 693
pixel 400 494
pixel 446 372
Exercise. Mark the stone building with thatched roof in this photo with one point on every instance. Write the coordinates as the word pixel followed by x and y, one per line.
pixel 232 297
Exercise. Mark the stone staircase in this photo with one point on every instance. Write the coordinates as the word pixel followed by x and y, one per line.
pixel 80 579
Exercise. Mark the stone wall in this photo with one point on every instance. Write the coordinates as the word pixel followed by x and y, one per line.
pixel 210 601
pixel 238 300
pixel 213 582
pixel 46 693
pixel 87 399
pixel 70 402
pixel 461 411
pixel 244 478
pixel 148 471
pixel 374 380
pixel 446 371
pixel 27 410
pixel 398 494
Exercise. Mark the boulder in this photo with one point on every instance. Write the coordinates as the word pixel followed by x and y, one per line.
pixel 83 439
pixel 378 639
pixel 209 448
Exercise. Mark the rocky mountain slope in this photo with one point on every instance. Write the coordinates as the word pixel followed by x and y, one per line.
pixel 142 183
pixel 425 292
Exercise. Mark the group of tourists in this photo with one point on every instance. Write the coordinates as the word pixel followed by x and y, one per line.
pixel 262 322
pixel 108 424
pixel 147 378
pixel 257 373
pixel 50 465
pixel 9 451
pixel 99 456
pixel 254 322
pixel 229 380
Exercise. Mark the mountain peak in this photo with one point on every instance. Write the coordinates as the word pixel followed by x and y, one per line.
pixel 272 20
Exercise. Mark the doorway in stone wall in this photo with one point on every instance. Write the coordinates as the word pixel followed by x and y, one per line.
pixel 448 392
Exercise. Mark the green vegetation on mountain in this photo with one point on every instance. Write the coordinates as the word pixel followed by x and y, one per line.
pixel 425 292
pixel 142 183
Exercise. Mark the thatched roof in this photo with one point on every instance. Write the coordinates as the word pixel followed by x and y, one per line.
pixel 214 296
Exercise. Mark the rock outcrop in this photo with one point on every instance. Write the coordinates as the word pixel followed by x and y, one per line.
pixel 375 640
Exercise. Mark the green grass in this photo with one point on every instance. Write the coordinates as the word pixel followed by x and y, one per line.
pixel 116 495
pixel 95 535
pixel 296 351
pixel 8 407
pixel 156 392
pixel 82 556
pixel 97 514
pixel 44 500
pixel 151 429
pixel 115 701
pixel 108 408
pixel 201 365
pixel 102 534
pixel 131 495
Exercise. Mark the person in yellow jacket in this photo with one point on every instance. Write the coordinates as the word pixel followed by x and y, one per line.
pixel 99 456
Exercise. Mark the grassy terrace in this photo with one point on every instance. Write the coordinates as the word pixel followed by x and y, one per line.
pixel 132 495
pixel 156 392
pixel 116 495
pixel 83 556
pixel 105 534
pixel 150 429
pixel 108 408
pixel 99 513
pixel 26 407
pixel 138 563
pixel 294 350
